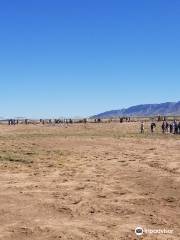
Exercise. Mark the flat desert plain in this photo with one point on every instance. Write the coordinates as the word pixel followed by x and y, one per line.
pixel 88 182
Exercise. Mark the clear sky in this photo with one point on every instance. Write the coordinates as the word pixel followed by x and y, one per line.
pixel 82 57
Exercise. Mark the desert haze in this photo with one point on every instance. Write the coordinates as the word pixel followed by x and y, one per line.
pixel 88 182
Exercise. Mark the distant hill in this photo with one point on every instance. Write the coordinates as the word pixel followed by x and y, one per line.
pixel 166 109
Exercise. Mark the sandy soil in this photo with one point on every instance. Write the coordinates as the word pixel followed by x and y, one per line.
pixel 98 181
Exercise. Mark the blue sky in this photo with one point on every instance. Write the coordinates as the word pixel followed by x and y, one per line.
pixel 78 58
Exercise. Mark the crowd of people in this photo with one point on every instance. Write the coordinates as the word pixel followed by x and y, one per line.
pixel 45 121
pixel 173 127
pixel 167 127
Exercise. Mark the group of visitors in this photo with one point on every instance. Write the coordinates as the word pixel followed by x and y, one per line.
pixel 172 127
pixel 46 121
pixel 13 122
pixel 167 127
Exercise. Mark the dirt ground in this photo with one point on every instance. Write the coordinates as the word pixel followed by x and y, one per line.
pixel 88 182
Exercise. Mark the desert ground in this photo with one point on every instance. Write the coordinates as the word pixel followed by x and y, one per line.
pixel 88 182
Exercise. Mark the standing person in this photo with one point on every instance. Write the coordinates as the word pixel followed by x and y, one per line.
pixel 179 127
pixel 175 127
pixel 171 128
pixel 153 125
pixel 167 126
pixel 163 126
pixel 142 127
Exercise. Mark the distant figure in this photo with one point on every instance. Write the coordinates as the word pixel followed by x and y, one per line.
pixel 167 126
pixel 175 127
pixel 163 127
pixel 11 122
pixel 171 128
pixel 121 120
pixel 153 126
pixel 179 127
pixel 142 127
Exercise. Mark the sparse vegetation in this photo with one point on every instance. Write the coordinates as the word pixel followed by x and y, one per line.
pixel 99 182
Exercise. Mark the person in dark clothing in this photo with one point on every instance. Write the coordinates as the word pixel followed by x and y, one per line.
pixel 171 128
pixel 153 125
pixel 179 127
pixel 163 127
pixel 167 126
pixel 175 127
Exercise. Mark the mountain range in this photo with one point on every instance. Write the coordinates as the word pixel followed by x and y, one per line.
pixel 144 110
